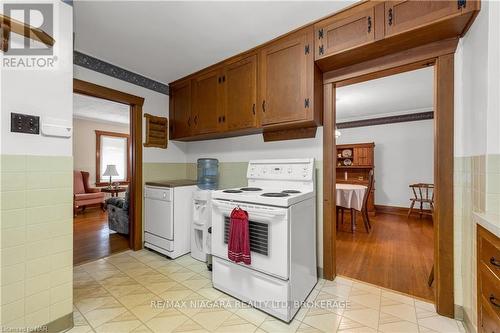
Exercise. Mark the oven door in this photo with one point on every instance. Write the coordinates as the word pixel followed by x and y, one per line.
pixel 269 236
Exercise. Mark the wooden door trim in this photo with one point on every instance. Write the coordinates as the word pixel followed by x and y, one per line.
pixel 399 62
pixel 440 55
pixel 136 103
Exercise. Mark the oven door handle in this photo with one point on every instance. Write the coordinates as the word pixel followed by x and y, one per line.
pixel 253 210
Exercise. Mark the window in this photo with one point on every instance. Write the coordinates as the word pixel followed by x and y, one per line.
pixel 112 149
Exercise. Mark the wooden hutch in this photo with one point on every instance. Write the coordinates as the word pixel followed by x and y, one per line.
pixel 354 162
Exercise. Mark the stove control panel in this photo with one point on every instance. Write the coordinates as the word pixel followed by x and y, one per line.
pixel 286 170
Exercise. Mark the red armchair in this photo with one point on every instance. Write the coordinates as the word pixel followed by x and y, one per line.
pixel 83 194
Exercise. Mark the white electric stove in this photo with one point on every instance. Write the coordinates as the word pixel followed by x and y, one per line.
pixel 280 199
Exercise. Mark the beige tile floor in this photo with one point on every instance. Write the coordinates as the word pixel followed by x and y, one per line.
pixel 115 294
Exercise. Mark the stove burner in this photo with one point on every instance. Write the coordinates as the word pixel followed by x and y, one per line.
pixel 232 191
pixel 290 191
pixel 275 195
pixel 250 189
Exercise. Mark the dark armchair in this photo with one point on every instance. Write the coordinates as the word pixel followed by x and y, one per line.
pixel 83 194
pixel 118 219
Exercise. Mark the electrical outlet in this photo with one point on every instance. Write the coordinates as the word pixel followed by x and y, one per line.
pixel 23 123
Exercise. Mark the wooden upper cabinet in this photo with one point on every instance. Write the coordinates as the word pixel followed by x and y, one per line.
pixel 240 94
pixel 401 16
pixel 180 110
pixel 286 87
pixel 342 33
pixel 206 102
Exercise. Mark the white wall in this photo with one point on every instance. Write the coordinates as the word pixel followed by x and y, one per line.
pixel 477 87
pixel 36 191
pixel 46 93
pixel 84 143
pixel 404 154
pixel 154 103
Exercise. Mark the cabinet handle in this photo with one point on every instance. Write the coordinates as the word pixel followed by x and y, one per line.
pixel 390 16
pixel 196 120
pixel 263 106
pixel 189 121
pixel 223 119
pixel 369 24
pixel 320 33
pixel 220 79
pixel 219 119
pixel 494 262
pixel 493 301
pixel 253 109
pixel 223 78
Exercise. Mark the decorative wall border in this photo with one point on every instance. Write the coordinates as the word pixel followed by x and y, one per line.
pixel 119 73
pixel 387 120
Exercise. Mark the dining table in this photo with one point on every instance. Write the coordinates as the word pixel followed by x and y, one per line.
pixel 350 196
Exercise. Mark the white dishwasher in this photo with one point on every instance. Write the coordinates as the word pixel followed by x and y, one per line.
pixel 167 216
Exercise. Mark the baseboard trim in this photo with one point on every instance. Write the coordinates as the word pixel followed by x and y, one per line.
pixel 469 325
pixel 459 312
pixel 319 272
pixel 399 210
pixel 63 324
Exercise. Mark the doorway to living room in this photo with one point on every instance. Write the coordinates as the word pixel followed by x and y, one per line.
pixel 107 150
pixel 101 167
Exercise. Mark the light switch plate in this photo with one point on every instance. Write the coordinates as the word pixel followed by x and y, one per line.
pixel 23 123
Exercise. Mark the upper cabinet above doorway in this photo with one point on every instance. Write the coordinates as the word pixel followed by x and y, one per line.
pixel 277 88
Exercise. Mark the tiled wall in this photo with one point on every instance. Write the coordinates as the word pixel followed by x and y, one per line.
pixel 493 187
pixel 477 191
pixel 163 171
pixel 36 239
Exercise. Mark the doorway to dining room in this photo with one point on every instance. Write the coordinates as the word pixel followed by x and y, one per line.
pixel 384 175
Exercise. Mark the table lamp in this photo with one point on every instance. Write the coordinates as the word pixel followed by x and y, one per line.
pixel 110 171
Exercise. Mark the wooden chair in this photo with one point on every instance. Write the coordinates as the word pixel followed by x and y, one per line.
pixel 424 194
pixel 364 210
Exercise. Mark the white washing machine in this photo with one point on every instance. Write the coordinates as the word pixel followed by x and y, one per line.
pixel 201 224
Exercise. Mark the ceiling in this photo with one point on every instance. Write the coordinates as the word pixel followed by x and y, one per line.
pixel 166 40
pixel 97 109
pixel 408 92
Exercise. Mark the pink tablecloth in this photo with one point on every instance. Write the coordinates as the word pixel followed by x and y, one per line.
pixel 350 195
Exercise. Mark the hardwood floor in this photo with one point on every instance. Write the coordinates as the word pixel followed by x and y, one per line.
pixel 397 254
pixel 91 237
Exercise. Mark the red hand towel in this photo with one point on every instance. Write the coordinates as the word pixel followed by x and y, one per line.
pixel 238 247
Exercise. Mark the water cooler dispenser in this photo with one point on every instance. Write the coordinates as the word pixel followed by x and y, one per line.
pixel 208 180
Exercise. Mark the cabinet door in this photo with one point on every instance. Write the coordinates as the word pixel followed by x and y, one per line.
pixel 406 15
pixel 206 102
pixel 363 156
pixel 343 34
pixel 241 94
pixel 284 80
pixel 180 110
